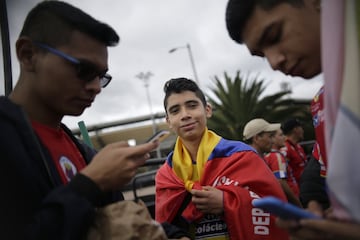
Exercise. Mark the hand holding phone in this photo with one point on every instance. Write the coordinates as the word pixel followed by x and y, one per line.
pixel 282 209
pixel 159 136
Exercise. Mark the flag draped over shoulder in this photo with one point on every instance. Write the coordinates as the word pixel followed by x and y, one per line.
pixel 341 67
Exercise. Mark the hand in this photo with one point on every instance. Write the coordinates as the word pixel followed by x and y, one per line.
pixel 208 200
pixel 326 228
pixel 116 164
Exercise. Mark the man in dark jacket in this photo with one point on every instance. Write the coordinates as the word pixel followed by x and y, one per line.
pixel 50 189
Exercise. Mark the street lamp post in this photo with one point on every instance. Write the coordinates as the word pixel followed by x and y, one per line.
pixel 187 46
pixel 145 77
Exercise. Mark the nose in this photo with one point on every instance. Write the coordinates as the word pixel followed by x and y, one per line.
pixel 275 58
pixel 184 114
pixel 94 85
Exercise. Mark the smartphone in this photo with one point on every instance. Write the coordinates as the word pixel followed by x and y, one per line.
pixel 282 209
pixel 159 136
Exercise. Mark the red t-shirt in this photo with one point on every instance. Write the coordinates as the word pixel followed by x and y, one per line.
pixel 278 165
pixel 65 155
pixel 296 158
pixel 317 112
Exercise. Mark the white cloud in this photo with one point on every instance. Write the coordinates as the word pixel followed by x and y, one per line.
pixel 148 30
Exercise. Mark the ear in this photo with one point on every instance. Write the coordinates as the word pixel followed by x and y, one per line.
pixel 256 138
pixel 208 110
pixel 26 54
pixel 168 122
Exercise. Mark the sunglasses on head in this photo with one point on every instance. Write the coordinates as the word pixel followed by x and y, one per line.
pixel 85 70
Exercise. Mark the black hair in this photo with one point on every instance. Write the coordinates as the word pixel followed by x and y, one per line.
pixel 238 13
pixel 288 125
pixel 52 22
pixel 179 85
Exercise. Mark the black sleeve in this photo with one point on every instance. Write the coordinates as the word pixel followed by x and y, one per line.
pixel 313 185
pixel 173 231
pixel 66 212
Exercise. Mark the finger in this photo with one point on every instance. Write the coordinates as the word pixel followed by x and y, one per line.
pixel 197 200
pixel 332 227
pixel 119 144
pixel 200 207
pixel 142 149
pixel 199 193
pixel 315 208
pixel 208 188
pixel 141 159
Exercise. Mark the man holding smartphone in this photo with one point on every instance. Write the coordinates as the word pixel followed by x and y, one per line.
pixel 51 182
pixel 288 35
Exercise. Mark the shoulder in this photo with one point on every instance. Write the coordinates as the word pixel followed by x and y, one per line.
pixel 10 111
pixel 226 148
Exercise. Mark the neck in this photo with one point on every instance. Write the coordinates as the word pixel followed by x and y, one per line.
pixel 192 147
pixel 258 150
pixel 292 139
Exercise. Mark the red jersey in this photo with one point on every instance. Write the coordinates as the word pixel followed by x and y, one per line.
pixel 296 158
pixel 278 165
pixel 317 112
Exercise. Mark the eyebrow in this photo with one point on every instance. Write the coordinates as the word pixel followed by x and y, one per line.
pixel 173 107
pixel 262 38
pixel 185 103
pixel 86 61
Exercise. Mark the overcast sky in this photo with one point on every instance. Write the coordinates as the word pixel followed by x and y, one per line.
pixel 148 29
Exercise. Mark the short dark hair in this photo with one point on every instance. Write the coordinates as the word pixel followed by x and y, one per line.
pixel 288 125
pixel 179 85
pixel 238 13
pixel 52 22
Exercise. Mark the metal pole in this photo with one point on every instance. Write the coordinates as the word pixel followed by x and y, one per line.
pixel 192 63
pixel 6 47
pixel 145 78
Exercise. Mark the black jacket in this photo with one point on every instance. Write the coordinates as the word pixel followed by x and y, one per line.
pixel 313 186
pixel 34 204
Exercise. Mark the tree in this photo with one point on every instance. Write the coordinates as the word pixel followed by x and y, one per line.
pixel 238 101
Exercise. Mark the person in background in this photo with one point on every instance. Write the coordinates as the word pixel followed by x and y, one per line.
pixel 312 181
pixel 52 182
pixel 287 34
pixel 259 134
pixel 277 163
pixel 207 181
pixel 293 151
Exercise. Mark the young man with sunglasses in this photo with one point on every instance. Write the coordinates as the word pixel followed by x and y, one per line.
pixel 51 182
pixel 288 34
